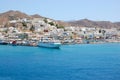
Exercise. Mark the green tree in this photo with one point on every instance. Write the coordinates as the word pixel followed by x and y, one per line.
pixel 51 23
pixel 32 28
pixel 100 31
pixel 103 32
pixel 24 24
pixel 45 20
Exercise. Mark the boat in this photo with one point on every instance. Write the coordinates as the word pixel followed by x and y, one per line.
pixel 14 43
pixel 2 42
pixel 49 43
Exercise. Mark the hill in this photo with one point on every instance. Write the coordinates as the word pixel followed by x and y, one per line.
pixel 12 15
pixel 90 23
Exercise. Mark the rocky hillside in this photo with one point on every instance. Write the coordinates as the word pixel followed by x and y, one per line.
pixel 90 23
pixel 12 15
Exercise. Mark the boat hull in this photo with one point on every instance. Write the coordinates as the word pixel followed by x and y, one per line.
pixel 49 45
pixel 3 42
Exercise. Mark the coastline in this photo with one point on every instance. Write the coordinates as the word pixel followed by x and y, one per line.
pixel 72 43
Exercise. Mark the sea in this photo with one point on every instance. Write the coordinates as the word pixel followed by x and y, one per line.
pixel 70 62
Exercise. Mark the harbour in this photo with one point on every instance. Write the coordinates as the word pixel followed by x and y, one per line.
pixel 60 40
pixel 36 43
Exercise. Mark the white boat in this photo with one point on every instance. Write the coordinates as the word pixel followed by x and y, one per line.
pixel 49 43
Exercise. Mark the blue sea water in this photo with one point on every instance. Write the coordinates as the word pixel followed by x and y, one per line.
pixel 70 62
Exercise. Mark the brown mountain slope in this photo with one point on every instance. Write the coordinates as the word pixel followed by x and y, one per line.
pixel 12 15
pixel 90 23
pixel 117 23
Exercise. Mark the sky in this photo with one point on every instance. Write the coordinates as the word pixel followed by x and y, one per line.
pixel 67 10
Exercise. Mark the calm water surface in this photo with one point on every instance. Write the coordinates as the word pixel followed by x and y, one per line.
pixel 70 62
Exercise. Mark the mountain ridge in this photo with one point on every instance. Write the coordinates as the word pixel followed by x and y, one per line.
pixel 90 23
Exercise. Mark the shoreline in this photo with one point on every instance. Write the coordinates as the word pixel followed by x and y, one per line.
pixel 36 45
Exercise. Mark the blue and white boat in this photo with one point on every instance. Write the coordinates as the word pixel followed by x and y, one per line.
pixel 49 43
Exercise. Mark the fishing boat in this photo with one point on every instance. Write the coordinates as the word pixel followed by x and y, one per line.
pixel 49 43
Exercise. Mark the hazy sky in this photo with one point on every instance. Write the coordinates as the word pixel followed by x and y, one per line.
pixel 67 9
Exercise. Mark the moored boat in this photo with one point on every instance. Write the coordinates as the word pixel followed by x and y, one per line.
pixel 49 43
pixel 14 43
pixel 2 42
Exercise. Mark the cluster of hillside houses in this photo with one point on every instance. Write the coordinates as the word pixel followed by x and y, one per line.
pixel 30 31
